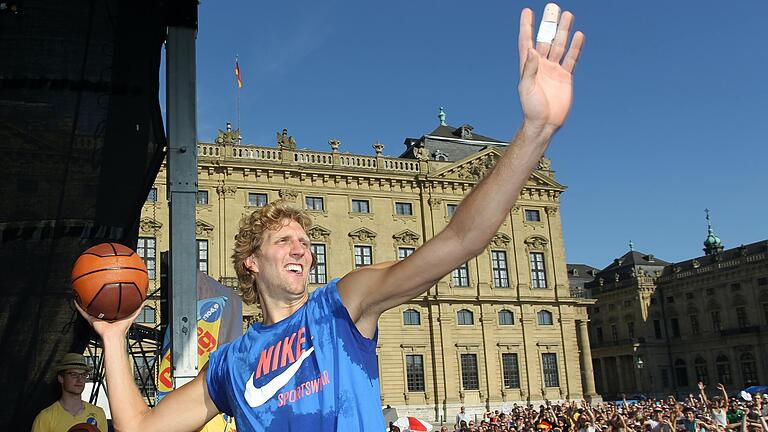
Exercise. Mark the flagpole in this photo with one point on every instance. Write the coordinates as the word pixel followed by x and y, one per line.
pixel 237 84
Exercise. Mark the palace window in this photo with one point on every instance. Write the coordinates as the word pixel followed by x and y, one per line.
pixel 511 370
pixel 657 329
pixel 465 317
pixel 145 248
pixel 469 375
pixel 741 317
pixel 544 317
pixel 146 316
pixel 257 199
pixel 404 252
pixel 532 216
pixel 360 206
pixel 202 256
pixel 404 209
pixel 318 275
pixel 716 324
pixel 675 324
pixel 202 197
pixel 414 367
pixel 700 366
pixel 748 369
pixel 695 324
pixel 538 274
pixel 152 195
pixel 363 256
pixel 499 266
pixel 451 209
pixel 506 317
pixel 723 367
pixel 314 203
pixel 549 365
pixel 411 317
pixel 460 276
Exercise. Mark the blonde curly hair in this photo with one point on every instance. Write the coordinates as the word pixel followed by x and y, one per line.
pixel 249 238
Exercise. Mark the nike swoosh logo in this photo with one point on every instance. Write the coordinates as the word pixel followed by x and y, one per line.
pixel 257 396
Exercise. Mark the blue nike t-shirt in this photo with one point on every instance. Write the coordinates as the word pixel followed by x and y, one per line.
pixel 310 371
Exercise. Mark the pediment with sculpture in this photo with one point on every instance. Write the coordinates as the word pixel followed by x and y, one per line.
pixel 319 233
pixel 203 228
pixel 536 242
pixel 406 237
pixel 476 166
pixel 363 235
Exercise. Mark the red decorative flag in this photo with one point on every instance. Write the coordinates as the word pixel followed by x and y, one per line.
pixel 544 425
pixel 237 74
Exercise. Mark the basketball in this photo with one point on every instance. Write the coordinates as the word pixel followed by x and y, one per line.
pixel 109 281
pixel 84 427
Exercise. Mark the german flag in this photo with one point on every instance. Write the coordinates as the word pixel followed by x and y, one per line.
pixel 237 74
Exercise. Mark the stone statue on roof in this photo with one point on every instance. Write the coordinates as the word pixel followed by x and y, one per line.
pixel 285 141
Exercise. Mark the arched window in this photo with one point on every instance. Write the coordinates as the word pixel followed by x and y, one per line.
pixel 411 317
pixel 723 366
pixel 146 316
pixel 681 373
pixel 544 317
pixel 506 317
pixel 748 369
pixel 464 317
pixel 702 374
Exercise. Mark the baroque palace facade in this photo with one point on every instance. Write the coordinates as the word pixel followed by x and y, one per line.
pixel 502 328
pixel 659 328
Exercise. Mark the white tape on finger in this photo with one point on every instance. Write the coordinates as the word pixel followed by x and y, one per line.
pixel 547 30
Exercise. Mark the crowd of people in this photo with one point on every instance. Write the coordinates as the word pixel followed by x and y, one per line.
pixel 696 413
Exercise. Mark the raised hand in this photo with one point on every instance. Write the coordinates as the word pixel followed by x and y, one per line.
pixel 546 81
pixel 109 328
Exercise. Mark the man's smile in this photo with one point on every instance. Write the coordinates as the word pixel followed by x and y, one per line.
pixel 295 268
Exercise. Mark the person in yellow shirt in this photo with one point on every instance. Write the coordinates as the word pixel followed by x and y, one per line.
pixel 70 409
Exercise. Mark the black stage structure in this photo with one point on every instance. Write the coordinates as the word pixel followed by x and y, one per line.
pixel 82 139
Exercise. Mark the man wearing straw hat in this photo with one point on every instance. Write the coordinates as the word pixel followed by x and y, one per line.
pixel 70 409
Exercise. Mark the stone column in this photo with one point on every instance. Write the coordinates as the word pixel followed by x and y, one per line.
pixel 588 377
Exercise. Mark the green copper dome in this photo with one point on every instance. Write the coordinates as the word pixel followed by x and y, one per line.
pixel 712 244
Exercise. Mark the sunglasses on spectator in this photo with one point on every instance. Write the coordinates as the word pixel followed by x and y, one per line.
pixel 75 375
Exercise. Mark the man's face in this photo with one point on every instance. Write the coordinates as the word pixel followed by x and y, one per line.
pixel 282 264
pixel 689 416
pixel 73 381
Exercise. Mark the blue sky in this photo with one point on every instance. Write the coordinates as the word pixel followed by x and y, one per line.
pixel 669 117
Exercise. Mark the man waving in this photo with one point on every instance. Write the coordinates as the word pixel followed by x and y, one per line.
pixel 311 365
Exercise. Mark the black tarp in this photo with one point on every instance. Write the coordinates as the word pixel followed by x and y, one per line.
pixel 81 140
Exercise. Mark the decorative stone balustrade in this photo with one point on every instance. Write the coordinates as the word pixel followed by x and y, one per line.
pixel 310 158
pixel 305 157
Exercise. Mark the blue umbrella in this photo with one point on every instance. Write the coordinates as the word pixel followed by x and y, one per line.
pixel 756 389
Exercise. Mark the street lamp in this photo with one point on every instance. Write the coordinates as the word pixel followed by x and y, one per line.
pixel 639 363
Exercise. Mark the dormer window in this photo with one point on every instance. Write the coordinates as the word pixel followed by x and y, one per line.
pixel 464 132
pixel 440 155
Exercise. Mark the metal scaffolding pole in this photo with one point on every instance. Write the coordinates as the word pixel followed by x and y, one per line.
pixel 182 188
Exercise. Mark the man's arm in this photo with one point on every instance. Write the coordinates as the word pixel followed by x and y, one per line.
pixel 545 90
pixel 703 395
pixel 186 408
pixel 725 394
